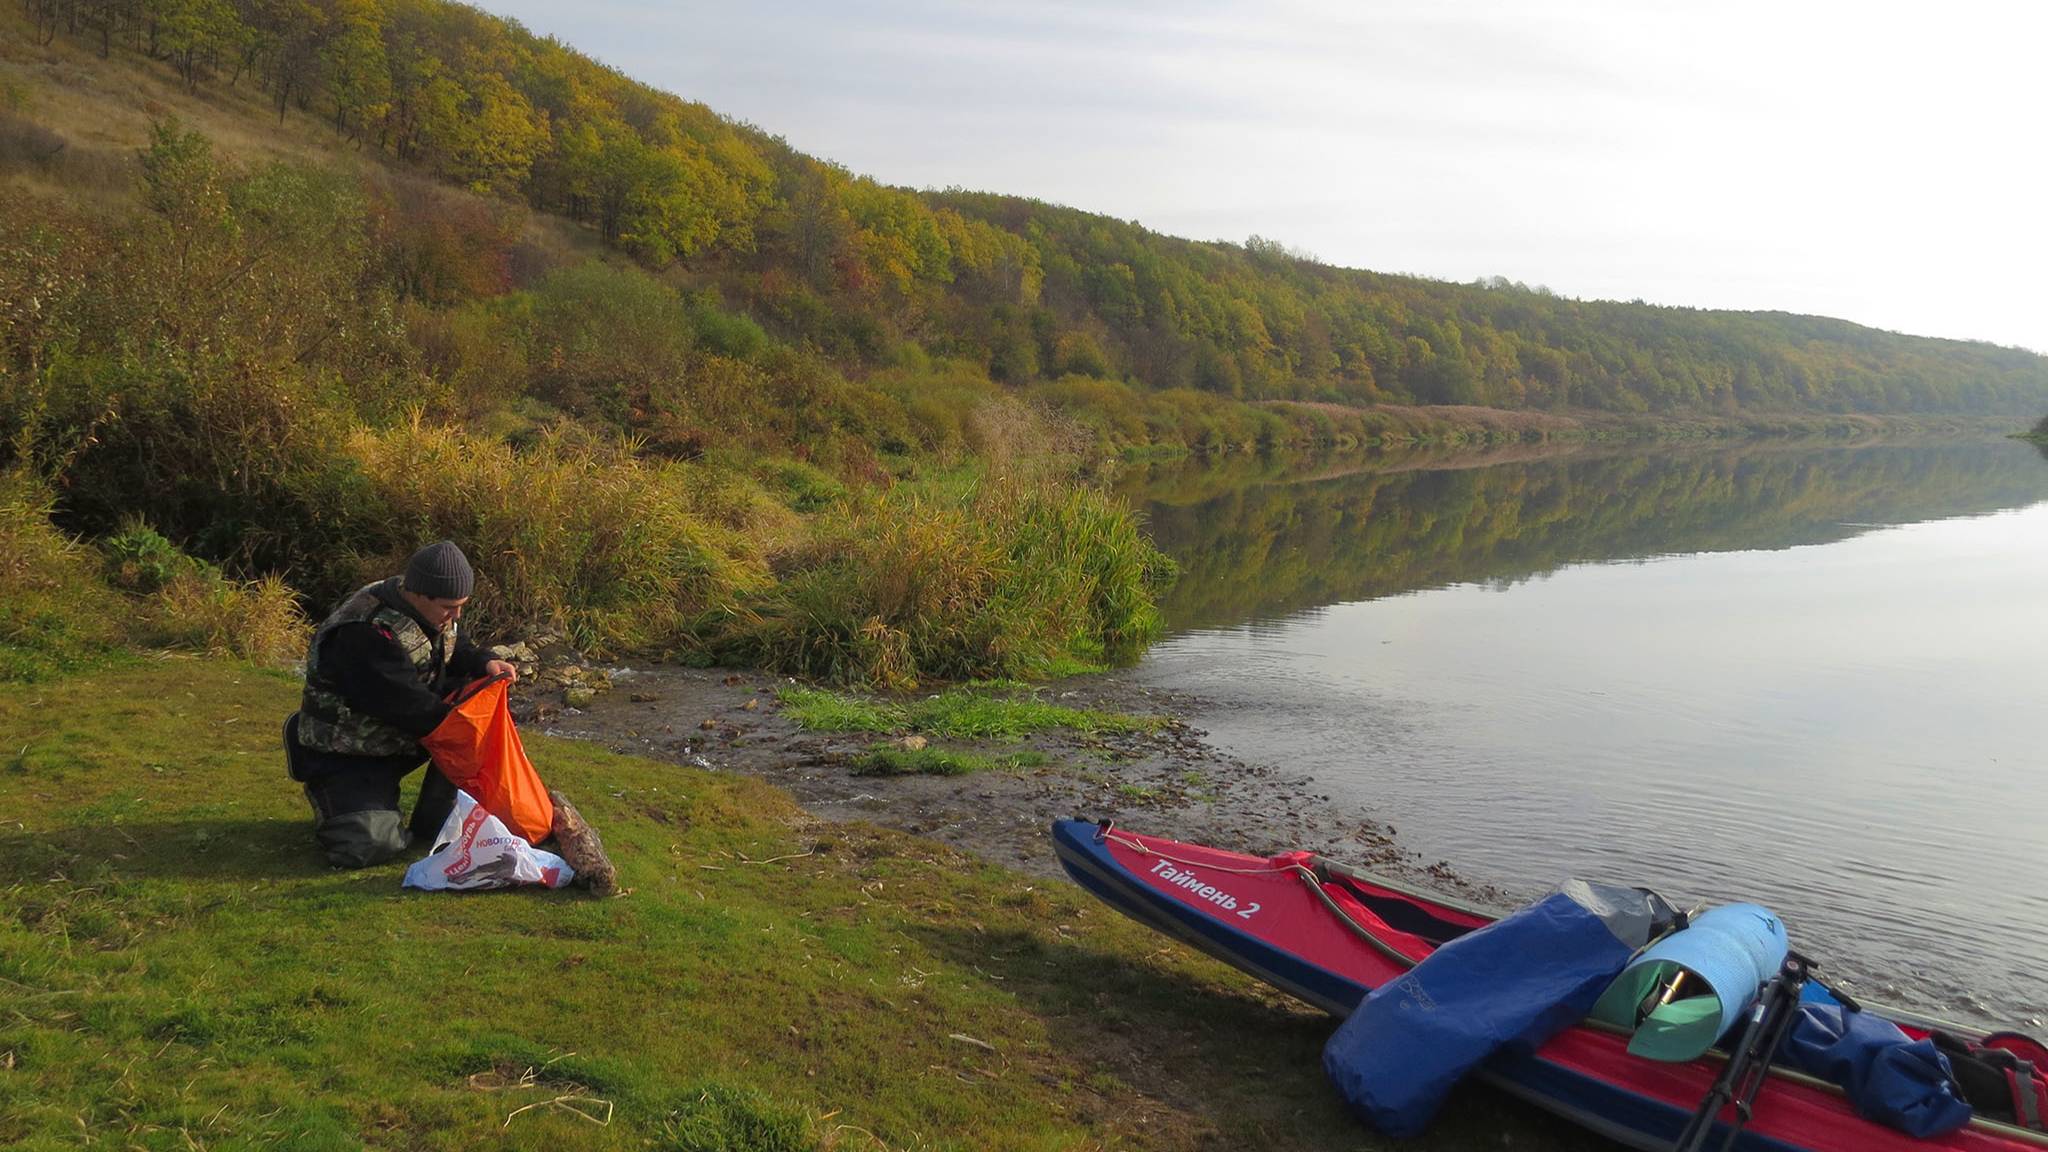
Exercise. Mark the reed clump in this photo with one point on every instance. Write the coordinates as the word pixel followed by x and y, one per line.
pixel 257 620
pixel 571 534
pixel 997 578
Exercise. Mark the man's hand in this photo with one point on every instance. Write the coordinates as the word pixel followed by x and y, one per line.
pixel 502 668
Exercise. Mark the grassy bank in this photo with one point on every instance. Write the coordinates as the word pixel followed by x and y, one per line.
pixel 987 716
pixel 181 972
pixel 986 711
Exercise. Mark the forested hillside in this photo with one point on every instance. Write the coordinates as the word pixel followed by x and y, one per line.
pixel 1086 310
pixel 246 369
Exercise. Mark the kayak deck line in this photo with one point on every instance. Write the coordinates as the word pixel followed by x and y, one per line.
pixel 1303 871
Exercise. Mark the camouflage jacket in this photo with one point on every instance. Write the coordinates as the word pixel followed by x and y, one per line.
pixel 327 724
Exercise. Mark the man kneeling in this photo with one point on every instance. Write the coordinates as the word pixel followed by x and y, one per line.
pixel 378 674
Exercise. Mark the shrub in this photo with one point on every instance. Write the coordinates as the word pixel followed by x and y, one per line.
pixel 726 333
pixel 187 603
pixel 140 560
pixel 242 465
pixel 935 404
pixel 606 338
pixel 438 244
pixel 1000 578
pixel 1081 354
pixel 475 354
pixel 198 364
pixel 1112 409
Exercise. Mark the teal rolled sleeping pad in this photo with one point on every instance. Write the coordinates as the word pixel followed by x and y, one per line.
pixel 1683 993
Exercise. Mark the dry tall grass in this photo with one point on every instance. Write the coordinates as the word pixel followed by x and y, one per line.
pixel 259 621
pixel 179 601
pixel 56 614
pixel 572 535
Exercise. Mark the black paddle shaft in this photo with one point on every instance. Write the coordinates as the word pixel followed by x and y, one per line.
pixel 1749 1065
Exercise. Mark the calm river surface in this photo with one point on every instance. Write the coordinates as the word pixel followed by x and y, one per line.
pixel 1812 677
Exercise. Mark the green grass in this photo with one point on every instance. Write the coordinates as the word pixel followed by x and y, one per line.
pixel 993 710
pixel 178 970
pixel 892 760
pixel 1006 713
pixel 837 711
pixel 895 760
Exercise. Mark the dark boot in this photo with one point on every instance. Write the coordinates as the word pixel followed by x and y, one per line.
pixel 355 816
pixel 577 841
pixel 430 811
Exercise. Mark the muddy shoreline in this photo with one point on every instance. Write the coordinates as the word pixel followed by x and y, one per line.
pixel 1169 782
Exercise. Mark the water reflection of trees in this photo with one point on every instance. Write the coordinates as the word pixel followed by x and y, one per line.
pixel 1265 541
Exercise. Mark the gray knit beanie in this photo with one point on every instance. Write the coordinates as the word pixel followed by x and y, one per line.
pixel 440 572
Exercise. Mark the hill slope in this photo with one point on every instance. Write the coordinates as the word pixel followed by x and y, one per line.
pixel 1028 292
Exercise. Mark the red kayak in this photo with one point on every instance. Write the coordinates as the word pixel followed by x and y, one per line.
pixel 1330 934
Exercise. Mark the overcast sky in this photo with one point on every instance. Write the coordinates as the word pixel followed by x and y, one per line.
pixel 1881 162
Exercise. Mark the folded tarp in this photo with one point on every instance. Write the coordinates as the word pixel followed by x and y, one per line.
pixel 1890 1077
pixel 1508 986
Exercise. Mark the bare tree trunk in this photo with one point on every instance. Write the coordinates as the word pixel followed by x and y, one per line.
pixel 44 13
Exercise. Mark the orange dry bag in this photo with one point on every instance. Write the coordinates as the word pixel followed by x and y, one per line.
pixel 478 750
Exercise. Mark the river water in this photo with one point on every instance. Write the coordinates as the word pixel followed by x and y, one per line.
pixel 1812 677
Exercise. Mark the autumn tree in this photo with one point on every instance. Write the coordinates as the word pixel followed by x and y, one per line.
pixel 195 35
pixel 353 65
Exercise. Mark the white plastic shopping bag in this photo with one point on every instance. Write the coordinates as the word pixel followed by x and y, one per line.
pixel 474 850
